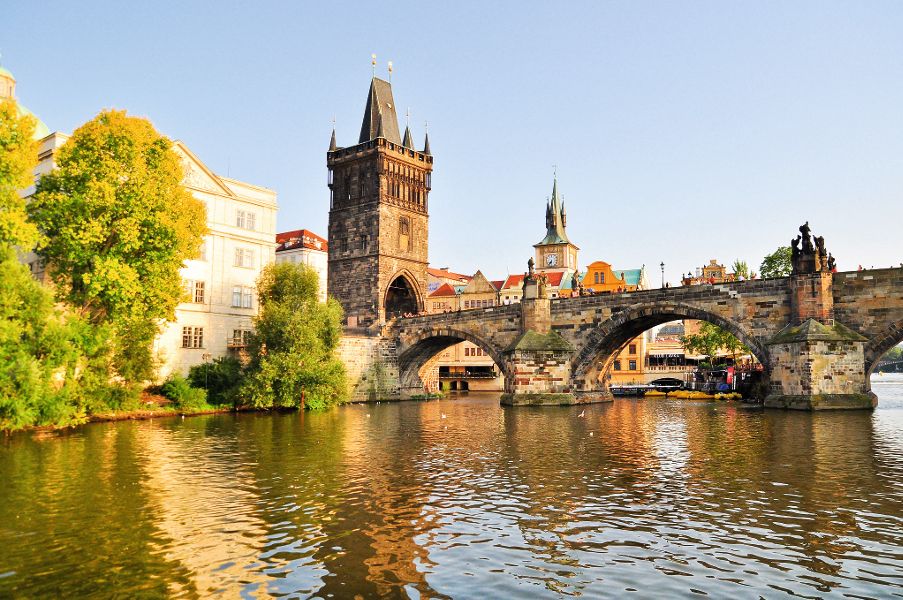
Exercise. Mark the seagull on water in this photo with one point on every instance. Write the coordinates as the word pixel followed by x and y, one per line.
pixel 583 413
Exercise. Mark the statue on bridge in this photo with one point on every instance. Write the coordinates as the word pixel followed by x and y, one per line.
pixel 812 256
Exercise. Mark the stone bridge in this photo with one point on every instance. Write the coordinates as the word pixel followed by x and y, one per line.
pixel 818 335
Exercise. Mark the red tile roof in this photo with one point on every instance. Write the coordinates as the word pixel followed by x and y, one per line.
pixel 497 284
pixel 555 278
pixel 445 274
pixel 443 290
pixel 516 281
pixel 300 238
pixel 513 281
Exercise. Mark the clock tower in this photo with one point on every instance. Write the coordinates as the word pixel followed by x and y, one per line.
pixel 556 252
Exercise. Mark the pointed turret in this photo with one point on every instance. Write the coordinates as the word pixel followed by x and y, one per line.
pixel 408 139
pixel 332 145
pixel 426 143
pixel 380 119
pixel 555 219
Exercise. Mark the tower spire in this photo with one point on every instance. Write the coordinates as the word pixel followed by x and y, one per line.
pixel 332 144
pixel 426 138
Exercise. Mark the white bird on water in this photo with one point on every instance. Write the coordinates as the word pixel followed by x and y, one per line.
pixel 583 413
pixel 442 415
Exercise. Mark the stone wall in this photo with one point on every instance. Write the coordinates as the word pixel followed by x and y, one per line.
pixel 371 366
pixel 871 303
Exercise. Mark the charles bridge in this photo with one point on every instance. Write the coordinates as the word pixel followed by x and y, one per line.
pixel 817 333
pixel 818 336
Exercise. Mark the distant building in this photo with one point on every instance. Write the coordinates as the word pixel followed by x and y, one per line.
pixel 305 247
pixel 710 273
pixel 601 278
pixel 555 252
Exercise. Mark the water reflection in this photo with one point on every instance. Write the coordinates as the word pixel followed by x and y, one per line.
pixel 455 498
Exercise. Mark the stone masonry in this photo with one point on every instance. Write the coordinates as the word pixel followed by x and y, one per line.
pixel 867 304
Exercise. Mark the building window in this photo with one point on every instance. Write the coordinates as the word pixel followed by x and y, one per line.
pixel 244 257
pixel 632 365
pixel 240 338
pixel 617 365
pixel 202 251
pixel 404 234
pixel 195 291
pixel 192 337
pixel 246 219
pixel 631 349
pixel 242 297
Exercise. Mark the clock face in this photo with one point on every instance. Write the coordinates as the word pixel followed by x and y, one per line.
pixel 551 259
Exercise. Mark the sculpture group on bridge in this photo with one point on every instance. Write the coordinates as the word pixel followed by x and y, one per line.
pixel 812 256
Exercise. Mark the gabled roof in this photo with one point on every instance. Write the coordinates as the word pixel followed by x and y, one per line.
pixel 443 291
pixel 513 281
pixel 380 119
pixel 300 238
pixel 497 283
pixel 197 175
pixel 479 285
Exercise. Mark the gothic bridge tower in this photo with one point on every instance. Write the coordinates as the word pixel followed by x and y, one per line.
pixel 378 217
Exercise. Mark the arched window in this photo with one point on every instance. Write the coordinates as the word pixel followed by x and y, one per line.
pixel 404 234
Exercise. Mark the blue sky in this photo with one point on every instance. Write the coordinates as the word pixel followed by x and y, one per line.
pixel 681 131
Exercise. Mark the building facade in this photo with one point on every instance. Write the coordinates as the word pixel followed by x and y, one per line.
pixel 304 247
pixel 378 217
pixel 221 284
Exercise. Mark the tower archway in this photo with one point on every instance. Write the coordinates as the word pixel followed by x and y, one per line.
pixel 401 297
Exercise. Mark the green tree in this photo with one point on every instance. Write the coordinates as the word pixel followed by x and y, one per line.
pixel 118 226
pixel 18 157
pixel 292 352
pixel 776 264
pixel 711 339
pixel 53 365
pixel 742 269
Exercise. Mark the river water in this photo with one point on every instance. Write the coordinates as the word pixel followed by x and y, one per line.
pixel 462 499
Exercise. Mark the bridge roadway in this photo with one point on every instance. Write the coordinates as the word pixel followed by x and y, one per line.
pixel 595 328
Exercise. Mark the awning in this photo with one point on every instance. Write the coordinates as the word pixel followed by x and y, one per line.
pixel 667 352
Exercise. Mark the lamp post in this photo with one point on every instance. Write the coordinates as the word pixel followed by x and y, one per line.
pixel 663 273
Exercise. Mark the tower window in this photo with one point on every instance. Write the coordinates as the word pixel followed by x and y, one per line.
pixel 404 234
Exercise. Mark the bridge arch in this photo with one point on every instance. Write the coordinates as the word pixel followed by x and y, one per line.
pixel 419 352
pixel 880 344
pixel 603 345
pixel 402 295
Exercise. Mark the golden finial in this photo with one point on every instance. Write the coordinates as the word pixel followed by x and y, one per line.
pixel 390 70
pixel 373 63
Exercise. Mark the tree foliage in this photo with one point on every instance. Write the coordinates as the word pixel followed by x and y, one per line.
pixel 776 264
pixel 118 226
pixel 54 366
pixel 711 339
pixel 221 378
pixel 741 269
pixel 292 352
pixel 18 158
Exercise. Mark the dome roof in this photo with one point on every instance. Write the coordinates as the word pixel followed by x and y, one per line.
pixel 40 128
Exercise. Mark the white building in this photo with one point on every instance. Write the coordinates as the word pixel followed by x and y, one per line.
pixel 221 283
pixel 304 247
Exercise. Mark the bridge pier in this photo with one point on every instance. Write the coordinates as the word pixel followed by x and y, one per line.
pixel 817 362
pixel 819 367
pixel 539 360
